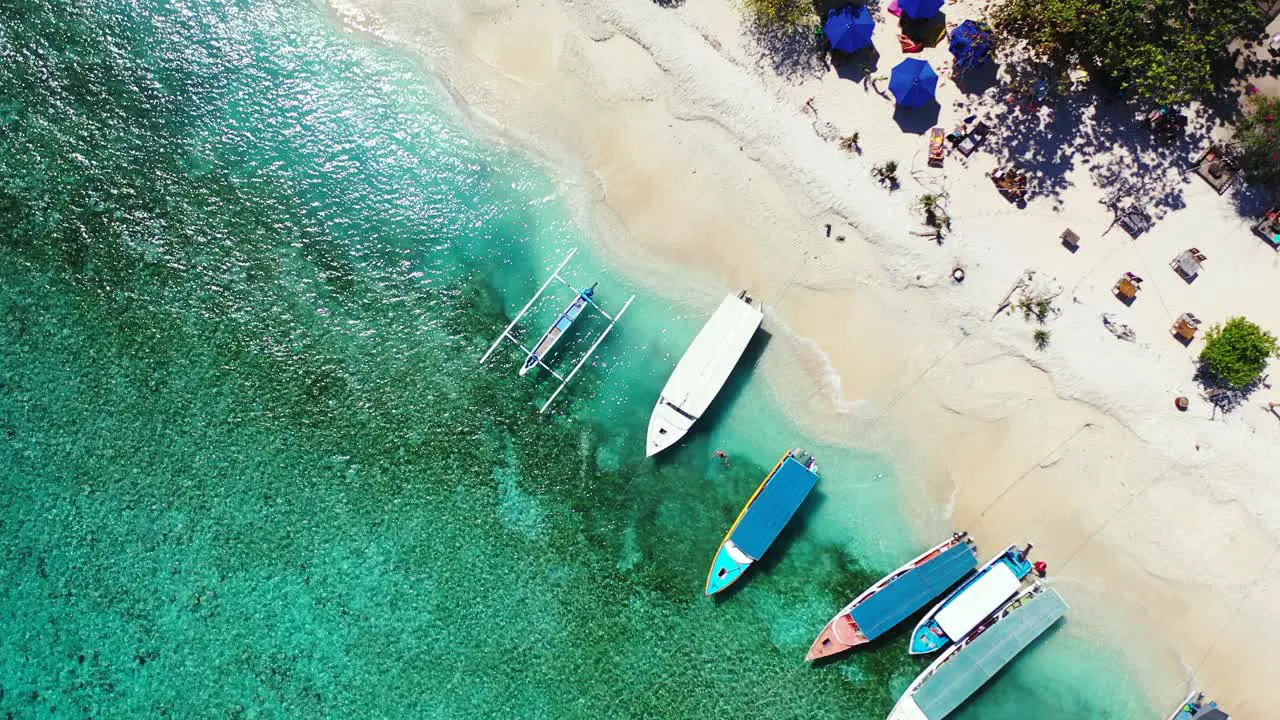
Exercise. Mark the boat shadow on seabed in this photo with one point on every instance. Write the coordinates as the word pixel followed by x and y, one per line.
pixel 724 402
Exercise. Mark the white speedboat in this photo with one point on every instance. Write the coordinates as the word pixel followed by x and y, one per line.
pixel 702 371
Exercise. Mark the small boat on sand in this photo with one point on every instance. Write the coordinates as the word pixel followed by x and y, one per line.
pixel 766 513
pixel 897 595
pixel 558 329
pixel 1195 707
pixel 971 603
pixel 966 666
pixel 702 371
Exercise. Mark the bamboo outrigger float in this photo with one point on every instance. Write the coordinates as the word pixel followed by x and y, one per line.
pixel 535 356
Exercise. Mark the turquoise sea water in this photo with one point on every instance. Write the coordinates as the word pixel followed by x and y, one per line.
pixel 252 469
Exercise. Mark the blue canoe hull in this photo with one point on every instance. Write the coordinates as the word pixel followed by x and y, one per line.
pixel 557 330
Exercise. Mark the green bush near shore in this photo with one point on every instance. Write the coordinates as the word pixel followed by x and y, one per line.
pixel 1164 51
pixel 1258 135
pixel 781 13
pixel 1236 353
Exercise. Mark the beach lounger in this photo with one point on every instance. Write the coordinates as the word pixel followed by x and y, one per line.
pixel 1216 168
pixel 1070 240
pixel 1011 182
pixel 937 146
pixel 1268 228
pixel 1185 327
pixel 1126 289
pixel 1187 263
pixel 1134 221
pixel 973 139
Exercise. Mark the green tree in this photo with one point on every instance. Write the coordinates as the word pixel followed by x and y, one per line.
pixel 1258 135
pixel 1164 51
pixel 1236 353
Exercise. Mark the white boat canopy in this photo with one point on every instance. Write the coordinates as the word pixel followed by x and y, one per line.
pixel 978 601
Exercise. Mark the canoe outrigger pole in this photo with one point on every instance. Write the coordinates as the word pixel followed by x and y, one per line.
pixel 534 357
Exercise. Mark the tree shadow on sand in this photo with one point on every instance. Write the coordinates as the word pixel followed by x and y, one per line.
pixel 1222 394
pixel 1252 201
pixel 1090 130
pixel 794 52
pixel 1223 397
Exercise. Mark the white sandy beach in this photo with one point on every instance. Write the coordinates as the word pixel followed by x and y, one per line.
pixel 1162 527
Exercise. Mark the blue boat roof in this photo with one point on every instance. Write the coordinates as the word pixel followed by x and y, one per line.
pixel 782 495
pixel 912 591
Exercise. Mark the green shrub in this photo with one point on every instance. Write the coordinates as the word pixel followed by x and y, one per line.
pixel 781 13
pixel 1164 51
pixel 1236 353
pixel 935 216
pixel 886 172
pixel 1258 136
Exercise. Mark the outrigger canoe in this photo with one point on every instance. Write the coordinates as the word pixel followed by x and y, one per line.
pixel 558 329
pixel 963 610
pixel 769 510
pixel 897 595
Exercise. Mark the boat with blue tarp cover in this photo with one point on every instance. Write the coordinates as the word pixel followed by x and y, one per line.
pixel 897 595
pixel 768 511
pixel 962 610
pixel 1196 707
pixel 966 666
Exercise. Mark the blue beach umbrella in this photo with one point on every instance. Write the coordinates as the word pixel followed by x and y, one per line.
pixel 920 9
pixel 971 44
pixel 913 83
pixel 849 29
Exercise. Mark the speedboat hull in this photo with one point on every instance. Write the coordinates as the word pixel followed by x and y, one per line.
pixel 702 371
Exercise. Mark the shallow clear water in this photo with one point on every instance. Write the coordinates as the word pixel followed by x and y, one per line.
pixel 252 468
